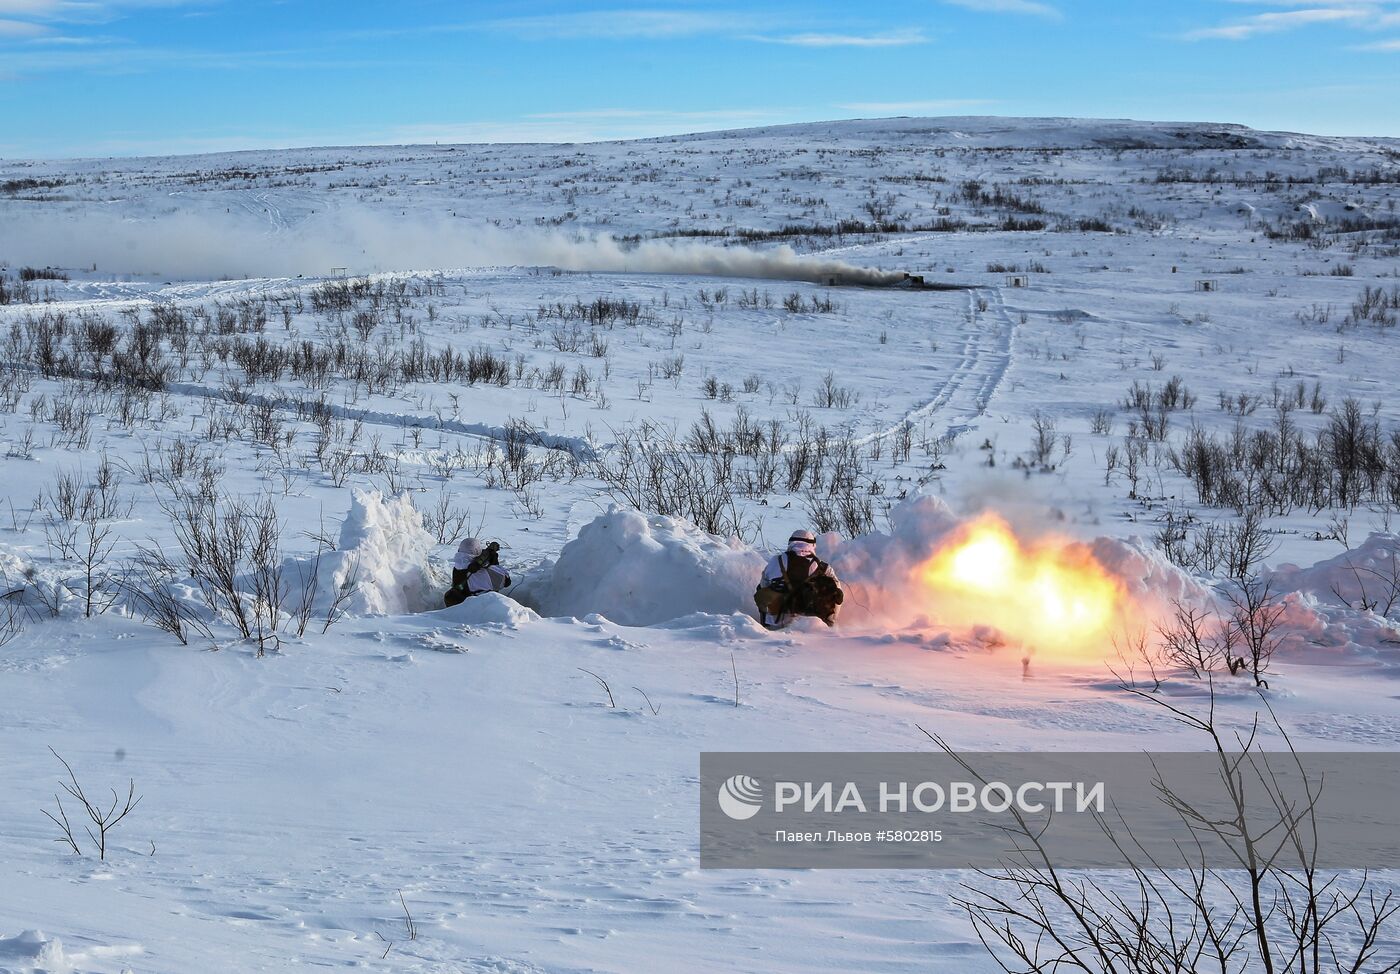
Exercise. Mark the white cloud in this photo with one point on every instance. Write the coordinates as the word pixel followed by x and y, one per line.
pixel 33 8
pixel 622 24
pixel 1388 47
pixel 74 54
pixel 20 28
pixel 68 40
pixel 1276 21
pixel 34 21
pixel 1032 7
pixel 670 24
pixel 895 38
pixel 1298 14
pixel 81 9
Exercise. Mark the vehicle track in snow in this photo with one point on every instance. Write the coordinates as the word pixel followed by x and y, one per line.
pixel 260 205
pixel 983 339
pixel 985 357
pixel 295 405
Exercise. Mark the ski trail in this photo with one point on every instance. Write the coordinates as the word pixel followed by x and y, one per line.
pixel 576 445
pixel 260 206
pixel 1000 339
pixel 274 212
pixel 975 379
pixel 121 295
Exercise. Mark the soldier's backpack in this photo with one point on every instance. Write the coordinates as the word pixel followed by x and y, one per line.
pixel 804 589
pixel 786 593
pixel 812 589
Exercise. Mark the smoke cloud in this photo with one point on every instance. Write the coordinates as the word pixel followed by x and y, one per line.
pixel 188 245
pixel 887 589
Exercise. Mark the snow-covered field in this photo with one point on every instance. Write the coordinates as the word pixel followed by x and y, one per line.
pixel 368 353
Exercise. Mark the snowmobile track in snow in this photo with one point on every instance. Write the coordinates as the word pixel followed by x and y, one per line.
pixel 575 445
pixel 986 355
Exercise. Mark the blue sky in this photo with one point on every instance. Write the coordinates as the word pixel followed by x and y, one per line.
pixel 124 77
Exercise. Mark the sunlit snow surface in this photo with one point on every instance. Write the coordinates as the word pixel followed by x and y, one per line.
pixel 460 756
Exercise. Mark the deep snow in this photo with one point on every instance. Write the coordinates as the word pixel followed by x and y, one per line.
pixel 468 757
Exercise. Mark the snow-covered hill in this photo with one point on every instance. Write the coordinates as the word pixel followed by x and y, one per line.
pixel 1167 348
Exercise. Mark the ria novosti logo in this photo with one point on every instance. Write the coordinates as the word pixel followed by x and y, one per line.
pixel 740 797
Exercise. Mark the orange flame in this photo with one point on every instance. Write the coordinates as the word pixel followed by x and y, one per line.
pixel 1050 594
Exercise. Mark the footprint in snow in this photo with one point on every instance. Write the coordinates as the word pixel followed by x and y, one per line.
pixel 439 642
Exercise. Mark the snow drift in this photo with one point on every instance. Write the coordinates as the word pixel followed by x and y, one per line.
pixel 490 609
pixel 1344 603
pixel 382 557
pixel 650 570
pixel 34 952
pixel 1368 574
pixel 646 570
pixel 640 570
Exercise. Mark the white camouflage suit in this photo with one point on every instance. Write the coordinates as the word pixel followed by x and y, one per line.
pixel 492 578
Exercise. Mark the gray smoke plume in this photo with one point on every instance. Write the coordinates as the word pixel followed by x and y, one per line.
pixel 183 244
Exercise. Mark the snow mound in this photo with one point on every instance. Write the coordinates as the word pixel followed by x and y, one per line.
pixel 1147 576
pixel 639 570
pixel 490 609
pixel 1343 604
pixel 383 554
pixel 717 628
pixel 13 565
pixel 32 951
pixel 1366 574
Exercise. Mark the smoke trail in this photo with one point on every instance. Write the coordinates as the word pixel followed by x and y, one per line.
pixel 660 257
pixel 183 244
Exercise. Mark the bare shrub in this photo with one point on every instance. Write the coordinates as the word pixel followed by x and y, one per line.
pixel 1197 640
pixel 521 458
pixel 830 395
pixel 1256 613
pixel 149 586
pixel 231 550
pixel 102 817
pixel 850 511
pixel 94 547
pixel 12 612
pixel 336 608
pixel 1349 462
pixel 445 521
pixel 1246 543
pixel 1044 440
pixel 1273 911
pixel 650 471
pixel 1378 585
